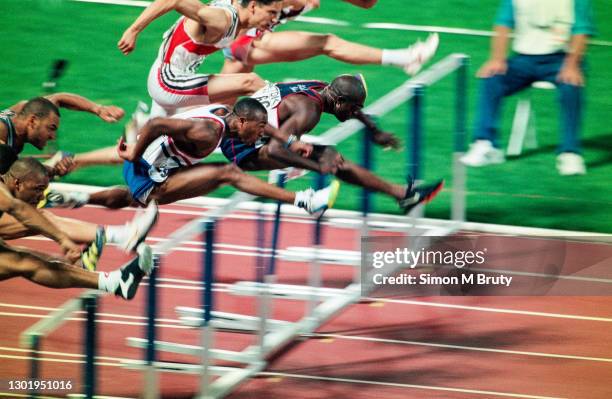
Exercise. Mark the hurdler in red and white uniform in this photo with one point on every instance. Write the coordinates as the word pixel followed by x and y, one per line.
pixel 173 79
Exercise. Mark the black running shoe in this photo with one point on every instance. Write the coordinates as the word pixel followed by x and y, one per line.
pixel 134 271
pixel 420 195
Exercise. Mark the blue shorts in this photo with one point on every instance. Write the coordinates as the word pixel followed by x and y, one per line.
pixel 236 151
pixel 136 176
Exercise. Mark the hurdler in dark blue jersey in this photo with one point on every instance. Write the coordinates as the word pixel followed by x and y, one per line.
pixel 271 97
pixel 295 108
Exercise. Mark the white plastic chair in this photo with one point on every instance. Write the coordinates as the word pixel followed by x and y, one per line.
pixel 523 126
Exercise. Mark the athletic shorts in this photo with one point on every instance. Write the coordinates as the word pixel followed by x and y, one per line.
pixel 140 184
pixel 172 89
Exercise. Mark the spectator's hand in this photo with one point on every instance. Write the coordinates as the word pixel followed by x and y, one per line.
pixel 127 43
pixel 110 113
pixel 386 140
pixel 299 147
pixel 71 250
pixel 571 75
pixel 65 166
pixel 125 150
pixel 492 67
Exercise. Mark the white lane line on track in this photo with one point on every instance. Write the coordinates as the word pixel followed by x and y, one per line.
pixel 250 251
pixel 64 354
pixel 494 310
pixel 101 321
pixel 223 287
pixel 322 378
pixel 400 385
pixel 462 347
pixel 55 360
pixel 174 323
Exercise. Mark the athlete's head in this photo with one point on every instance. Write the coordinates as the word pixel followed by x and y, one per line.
pixel 42 121
pixel 348 93
pixel 7 157
pixel 27 179
pixel 262 13
pixel 252 119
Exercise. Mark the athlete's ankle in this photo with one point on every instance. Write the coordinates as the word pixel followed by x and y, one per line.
pixel 109 281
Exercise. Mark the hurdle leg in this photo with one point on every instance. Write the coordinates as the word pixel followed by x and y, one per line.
pixel 314 271
pixel 89 378
pixel 34 363
pixel 151 388
pixel 207 330
pixel 458 200
pixel 415 136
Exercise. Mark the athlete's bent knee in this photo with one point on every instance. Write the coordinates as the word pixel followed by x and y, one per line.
pixel 251 82
pixel 25 265
pixel 330 43
pixel 230 173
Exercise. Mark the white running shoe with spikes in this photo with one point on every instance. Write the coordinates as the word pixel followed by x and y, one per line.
pixel 421 52
pixel 139 227
pixel 317 202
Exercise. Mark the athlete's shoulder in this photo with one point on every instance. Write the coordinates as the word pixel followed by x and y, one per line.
pixel 203 111
pixel 301 104
pixel 308 87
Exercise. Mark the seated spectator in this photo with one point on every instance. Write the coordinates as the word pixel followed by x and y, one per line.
pixel 550 38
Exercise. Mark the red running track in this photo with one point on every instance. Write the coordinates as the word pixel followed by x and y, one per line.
pixel 444 347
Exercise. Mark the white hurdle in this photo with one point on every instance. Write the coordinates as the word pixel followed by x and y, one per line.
pixel 321 303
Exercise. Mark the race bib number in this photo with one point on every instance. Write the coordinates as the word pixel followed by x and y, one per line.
pixel 268 96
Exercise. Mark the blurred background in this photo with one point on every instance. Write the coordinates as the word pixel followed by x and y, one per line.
pixel 525 190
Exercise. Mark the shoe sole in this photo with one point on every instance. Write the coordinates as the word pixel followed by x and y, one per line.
pixel 145 258
pixel 130 248
pixel 434 43
pixel 433 194
pixel 333 195
pixel 331 200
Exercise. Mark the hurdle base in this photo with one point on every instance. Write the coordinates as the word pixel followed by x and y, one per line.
pixel 327 256
pixel 287 291
pixel 192 317
pixel 195 350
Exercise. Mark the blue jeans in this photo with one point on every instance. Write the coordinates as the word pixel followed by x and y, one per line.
pixel 523 70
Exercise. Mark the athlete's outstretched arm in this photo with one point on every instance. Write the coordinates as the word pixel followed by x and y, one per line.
pixel 385 139
pixel 193 9
pixel 304 117
pixel 199 131
pixel 290 151
pixel 108 113
pixel 33 219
